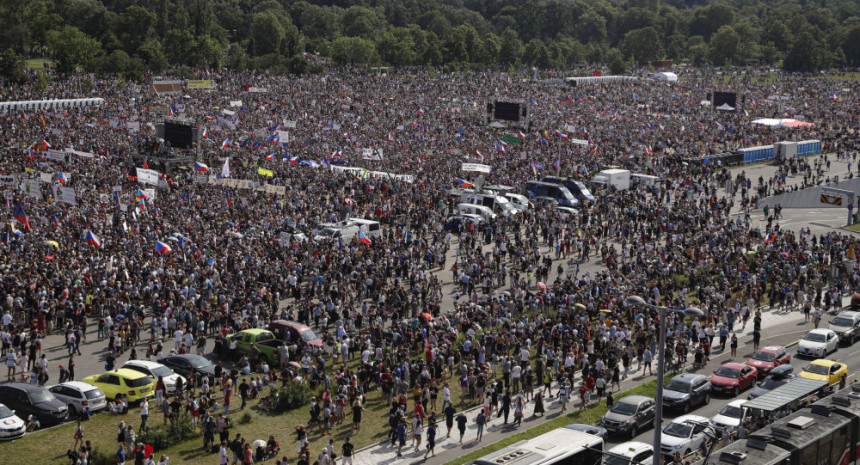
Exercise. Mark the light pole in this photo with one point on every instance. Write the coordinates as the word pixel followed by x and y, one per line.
pixel 661 350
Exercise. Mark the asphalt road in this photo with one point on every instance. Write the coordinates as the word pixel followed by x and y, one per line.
pixel 786 334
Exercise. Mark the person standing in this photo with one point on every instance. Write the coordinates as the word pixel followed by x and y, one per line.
pixel 144 414
pixel 506 406
pixel 347 451
pixel 734 346
pixel 449 412
pixel 461 425
pixel 480 420
pixel 431 440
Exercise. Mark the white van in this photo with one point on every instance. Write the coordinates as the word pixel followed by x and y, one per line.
pixel 518 200
pixel 644 179
pixel 500 205
pixel 344 232
pixel 484 212
pixel 370 228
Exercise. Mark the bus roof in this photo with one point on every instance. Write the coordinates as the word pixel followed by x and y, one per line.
pixel 543 449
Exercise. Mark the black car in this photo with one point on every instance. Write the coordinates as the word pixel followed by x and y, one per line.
pixel 29 399
pixel 686 391
pixel 189 364
pixel 629 415
pixel 779 376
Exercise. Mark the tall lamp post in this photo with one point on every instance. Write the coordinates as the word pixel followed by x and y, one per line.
pixel 661 350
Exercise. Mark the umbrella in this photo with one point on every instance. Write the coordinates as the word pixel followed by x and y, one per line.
pixel 427 316
pixel 582 306
pixel 295 365
pixel 541 286
pixel 54 243
pixel 605 310
pixel 147 450
pixel 259 443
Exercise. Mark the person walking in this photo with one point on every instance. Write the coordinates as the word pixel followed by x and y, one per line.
pixel 431 440
pixel 346 452
pixel 461 425
pixel 480 420
pixel 144 414
pixel 734 346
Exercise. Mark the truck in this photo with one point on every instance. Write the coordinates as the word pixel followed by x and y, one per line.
pixel 264 341
pixel 617 178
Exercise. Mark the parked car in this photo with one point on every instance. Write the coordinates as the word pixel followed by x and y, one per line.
pixel 684 434
pixel 590 429
pixel 31 399
pixel 131 384
pixel 154 371
pixel 629 414
pixel 732 378
pixel 630 453
pixel 846 325
pixel 731 415
pixel 818 343
pixel 294 331
pixel 11 425
pixel 79 396
pixel 686 391
pixel 767 358
pixel 263 340
pixel 188 365
pixel 779 376
pixel 825 370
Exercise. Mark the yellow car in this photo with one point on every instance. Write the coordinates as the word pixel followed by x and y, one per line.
pixel 133 384
pixel 825 370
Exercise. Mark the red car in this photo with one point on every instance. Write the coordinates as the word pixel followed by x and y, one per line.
pixel 768 358
pixel 294 332
pixel 733 377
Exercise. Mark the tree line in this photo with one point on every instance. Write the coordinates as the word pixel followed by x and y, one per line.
pixel 121 36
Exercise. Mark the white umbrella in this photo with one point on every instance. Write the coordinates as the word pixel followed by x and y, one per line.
pixel 258 443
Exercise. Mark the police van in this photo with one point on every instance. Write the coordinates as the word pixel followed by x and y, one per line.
pixel 370 228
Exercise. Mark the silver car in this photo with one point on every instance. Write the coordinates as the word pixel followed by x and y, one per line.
pixel 79 396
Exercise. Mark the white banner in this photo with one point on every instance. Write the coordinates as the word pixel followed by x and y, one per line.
pixel 67 195
pixel 235 103
pixel 371 154
pixel 277 190
pixel 81 154
pixel 258 90
pixel 31 188
pixel 201 178
pixel 228 112
pixel 56 155
pixel 150 194
pixel 476 167
pixel 147 176
pixel 289 124
pixel 578 141
pixel 7 179
pixel 283 137
pixel 46 177
pixel 284 239
pixel 399 177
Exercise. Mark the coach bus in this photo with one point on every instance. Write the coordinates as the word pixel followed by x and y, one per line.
pixel 824 433
pixel 558 447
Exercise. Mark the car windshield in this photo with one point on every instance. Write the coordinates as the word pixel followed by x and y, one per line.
pixel 678 385
pixel 162 371
pixel 610 459
pixel 585 191
pixel 771 383
pixel 198 362
pixel 94 394
pixel 814 337
pixel 764 356
pixel 731 411
pixel 5 411
pixel 137 382
pixel 679 430
pixel 308 335
pixel 40 396
pixel 623 408
pixel 728 372
pixel 841 321
pixel 816 369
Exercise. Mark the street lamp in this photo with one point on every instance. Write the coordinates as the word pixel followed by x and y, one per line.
pixel 661 350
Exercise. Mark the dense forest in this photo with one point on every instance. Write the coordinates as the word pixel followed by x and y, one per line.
pixel 139 36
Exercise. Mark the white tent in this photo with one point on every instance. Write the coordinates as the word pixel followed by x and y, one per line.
pixel 665 76
pixel 725 107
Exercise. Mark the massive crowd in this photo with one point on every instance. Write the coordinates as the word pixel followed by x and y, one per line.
pixel 672 243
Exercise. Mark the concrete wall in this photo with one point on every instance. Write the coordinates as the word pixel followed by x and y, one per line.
pixel 811 196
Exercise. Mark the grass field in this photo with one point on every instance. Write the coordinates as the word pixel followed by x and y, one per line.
pixel 37 63
pixel 853 227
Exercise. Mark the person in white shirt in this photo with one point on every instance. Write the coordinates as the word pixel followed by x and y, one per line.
pixel 177 335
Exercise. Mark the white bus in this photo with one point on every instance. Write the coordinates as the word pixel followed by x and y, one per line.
pixel 558 447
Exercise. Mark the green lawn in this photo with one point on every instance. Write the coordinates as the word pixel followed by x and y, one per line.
pixel 37 63
pixel 854 227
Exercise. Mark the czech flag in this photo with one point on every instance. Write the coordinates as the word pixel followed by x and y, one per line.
pixel 294 160
pixel 563 136
pixel 556 164
pixel 363 239
pixel 62 178
pixel 5 238
pixel 389 138
pixel 225 144
pixel 92 239
pixel 229 202
pixel 464 183
pixel 200 166
pixel 521 135
pixel 205 133
pixel 479 155
pixel 140 194
pixel 21 217
pixel 161 247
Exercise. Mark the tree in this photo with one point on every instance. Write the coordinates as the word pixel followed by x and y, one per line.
pixel 135 26
pixel 724 46
pixel 396 47
pixel 642 45
pixel 537 54
pixel 511 48
pixel 361 22
pixel 807 54
pixel 267 34
pixel 12 67
pixel 353 51
pixel 615 61
pixel 591 27
pixel 71 48
pixel 152 56
pixel 851 46
pixel 176 45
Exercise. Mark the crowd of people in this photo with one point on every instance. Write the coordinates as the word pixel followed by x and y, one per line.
pixel 194 260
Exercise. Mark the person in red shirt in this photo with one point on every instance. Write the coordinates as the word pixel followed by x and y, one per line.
pixel 589 382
